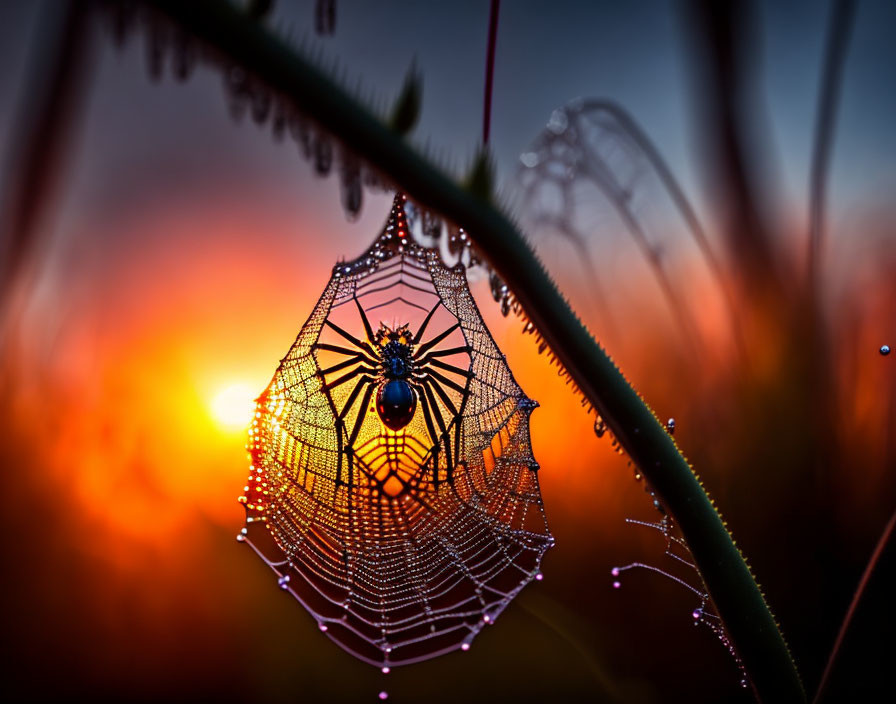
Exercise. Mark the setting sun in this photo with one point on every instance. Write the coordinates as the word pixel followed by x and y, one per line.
pixel 231 406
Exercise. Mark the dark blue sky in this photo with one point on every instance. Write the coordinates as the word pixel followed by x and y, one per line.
pixel 635 53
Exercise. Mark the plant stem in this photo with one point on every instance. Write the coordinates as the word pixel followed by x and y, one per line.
pixel 41 135
pixel 839 31
pixel 882 544
pixel 490 69
pixel 736 595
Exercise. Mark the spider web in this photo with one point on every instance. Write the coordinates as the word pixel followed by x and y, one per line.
pixel 401 548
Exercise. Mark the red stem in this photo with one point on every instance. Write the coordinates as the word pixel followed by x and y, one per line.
pixel 490 70
pixel 856 599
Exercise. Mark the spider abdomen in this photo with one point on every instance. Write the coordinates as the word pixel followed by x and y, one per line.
pixel 396 402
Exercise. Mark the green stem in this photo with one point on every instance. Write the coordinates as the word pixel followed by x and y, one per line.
pixel 731 586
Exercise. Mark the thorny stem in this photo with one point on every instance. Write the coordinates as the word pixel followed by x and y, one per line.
pixel 737 597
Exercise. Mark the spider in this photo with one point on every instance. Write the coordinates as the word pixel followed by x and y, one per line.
pixel 403 372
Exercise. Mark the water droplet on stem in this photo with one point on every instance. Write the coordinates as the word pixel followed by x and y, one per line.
pixel 323 155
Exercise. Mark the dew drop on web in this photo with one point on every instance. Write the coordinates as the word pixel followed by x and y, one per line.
pixel 682 571
pixel 529 159
pixel 558 122
pixel 357 564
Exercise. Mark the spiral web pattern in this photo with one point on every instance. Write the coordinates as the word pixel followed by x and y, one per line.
pixel 401 549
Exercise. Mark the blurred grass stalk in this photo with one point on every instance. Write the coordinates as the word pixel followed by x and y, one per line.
pixel 740 603
pixel 60 65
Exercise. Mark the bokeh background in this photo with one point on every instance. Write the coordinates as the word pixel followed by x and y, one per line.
pixel 180 250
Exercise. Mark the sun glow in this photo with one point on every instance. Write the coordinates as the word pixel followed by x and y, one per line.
pixel 232 406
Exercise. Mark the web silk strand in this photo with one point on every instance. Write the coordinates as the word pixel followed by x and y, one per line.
pixel 490 70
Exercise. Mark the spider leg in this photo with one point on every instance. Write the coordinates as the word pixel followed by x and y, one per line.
pixel 436 441
pixel 349 402
pixel 446 399
pixel 354 359
pixel 340 429
pixel 425 347
pixel 434 409
pixel 367 329
pixel 340 419
pixel 359 421
pixel 449 404
pixel 425 359
pixel 452 350
pixel 460 412
pixel 445 381
pixel 348 377
pixel 426 322
pixel 365 347
pixel 450 368
pixel 345 350
pixel 353 395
